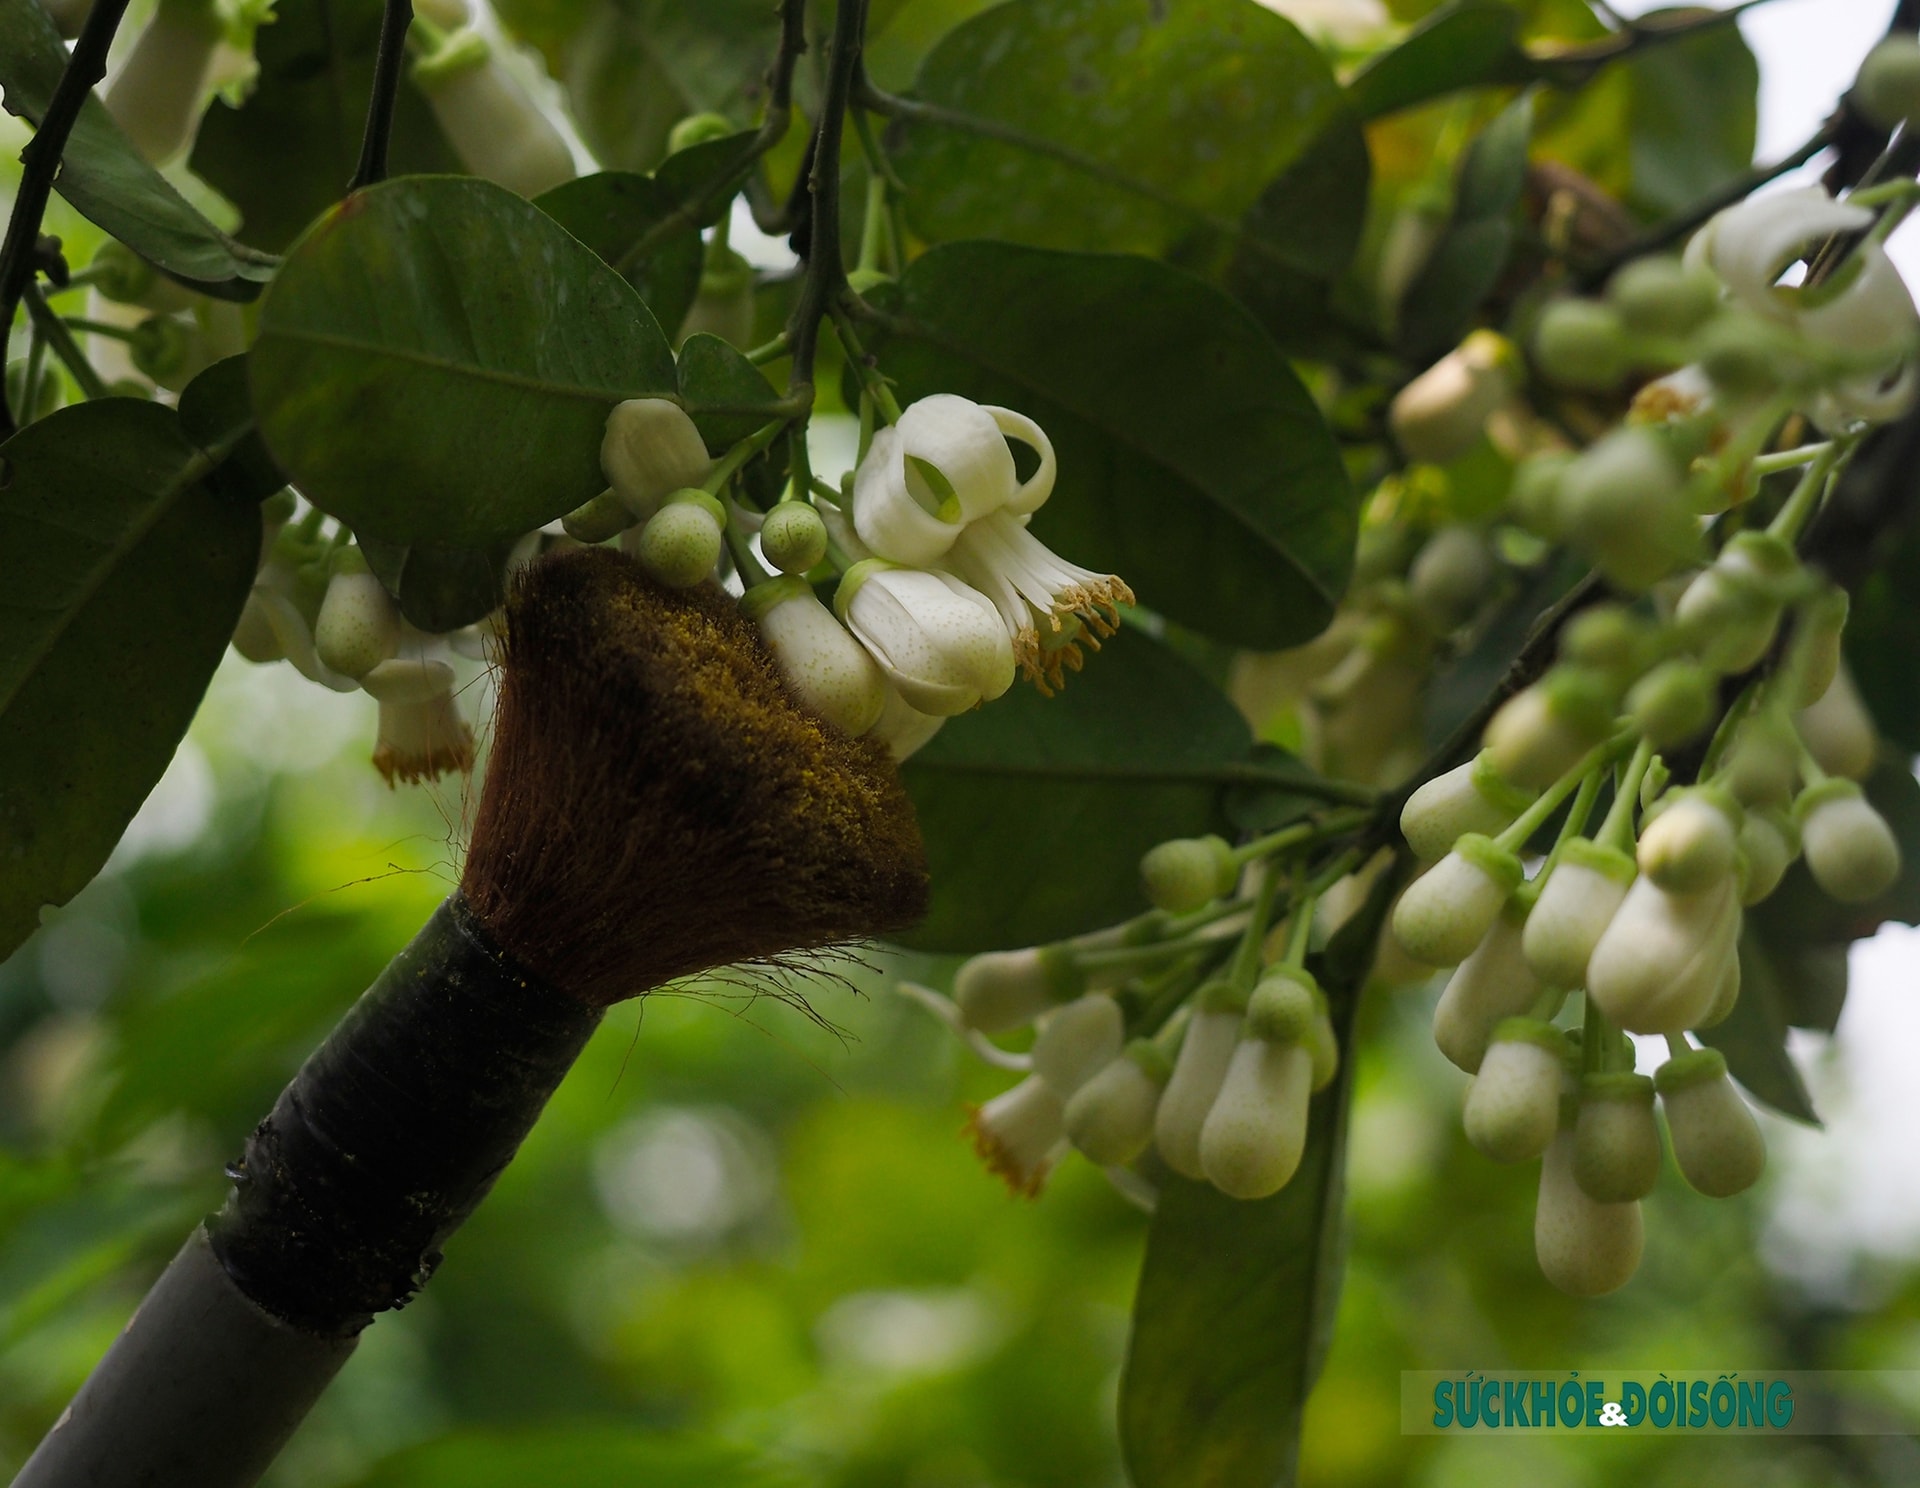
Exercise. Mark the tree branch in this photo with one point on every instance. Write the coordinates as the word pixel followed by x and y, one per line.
pixel 394 21
pixel 825 279
pixel 40 162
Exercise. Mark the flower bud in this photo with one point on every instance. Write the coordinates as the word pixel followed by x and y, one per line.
pixel 1691 844
pixel 793 538
pixel 1850 849
pixel 1888 88
pixel 1616 1142
pixel 1623 501
pixel 159 92
pixel 829 671
pixel 1582 894
pixel 1606 639
pixel 421 732
pixel 1281 1009
pixel 1822 627
pixel 254 634
pixel 1469 798
pixel 1725 996
pixel 1838 731
pixel 698 129
pixel 1717 1145
pixel 1187 873
pixel 1110 1118
pixel 1444 914
pixel 1452 576
pixel 1256 1132
pixel 1659 964
pixel 1769 841
pixel 498 132
pixel 651 448
pixel 1663 297
pixel 1674 702
pixel 680 543
pixel 1730 611
pixel 1442 413
pixel 1763 766
pixel 1077 1040
pixel 594 521
pixel 902 727
pixel 1513 1104
pixel 1582 344
pixel 1543 731
pixel 166 348
pixel 1534 496
pixel 940 642
pixel 1001 990
pixel 1019 1134
pixel 1493 984
pixel 1585 1248
pixel 1198 1071
pixel 359 624
pixel 1743 354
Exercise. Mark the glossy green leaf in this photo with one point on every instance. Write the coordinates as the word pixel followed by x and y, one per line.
pixel 107 636
pixel 1236 1300
pixel 900 33
pixel 216 412
pixel 287 152
pixel 470 345
pixel 1468 45
pixel 1753 1039
pixel 1192 462
pixel 1113 125
pixel 1692 121
pixel 1466 263
pixel 438 587
pixel 727 395
pixel 107 182
pixel 1036 810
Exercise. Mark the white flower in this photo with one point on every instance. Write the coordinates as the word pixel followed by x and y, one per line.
pixel 651 448
pixel 1850 849
pixel 1049 606
pixel 1584 1247
pixel 1077 1040
pixel 1443 914
pixel 1438 416
pixel 828 670
pixel 902 727
pixel 939 643
pixel 1470 798
pixel 421 731
pixel 1581 897
pixel 999 990
pixel 498 132
pixel 945 464
pixel 1838 730
pixel 359 624
pixel 1616 1140
pixel 1020 1134
pixel 159 93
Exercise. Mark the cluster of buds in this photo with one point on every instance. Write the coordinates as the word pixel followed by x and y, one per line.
pixel 941 593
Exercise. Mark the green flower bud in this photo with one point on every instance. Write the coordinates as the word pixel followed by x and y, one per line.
pixel 1001 990
pixel 1445 913
pixel 1281 1009
pixel 1581 896
pixel 793 538
pixel 1468 798
pixel 1717 1145
pixel 1624 501
pixel 1452 577
pixel 1769 841
pixel 1674 702
pixel 1838 731
pixel 682 541
pixel 1198 1072
pixel 162 348
pixel 1616 1143
pixel 1605 638
pixel 1585 1248
pixel 1251 1143
pixel 1582 344
pixel 1187 873
pixel 1763 766
pixel 1493 984
pixel 1888 89
pixel 1077 1040
pixel 1110 1118
pixel 1543 731
pixel 1743 354
pixel 1729 612
pixel 121 275
pixel 1513 1104
pixel 1690 846
pixel 698 129
pixel 605 516
pixel 1824 623
pixel 1534 497
pixel 1850 849
pixel 1662 297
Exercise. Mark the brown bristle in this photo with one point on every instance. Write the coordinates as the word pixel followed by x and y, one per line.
pixel 656 804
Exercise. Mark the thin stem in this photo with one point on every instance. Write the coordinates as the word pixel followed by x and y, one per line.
pixel 800 466
pixel 1806 497
pixel 1535 816
pixel 1677 1045
pixel 1791 459
pixel 1596 1039
pixel 1246 956
pixel 1617 830
pixel 1299 929
pixel 98 328
pixel 826 275
pixel 863 368
pixel 771 352
pixel 873 225
pixel 742 452
pixel 1299 832
pixel 1577 815
pixel 64 346
pixel 395 19
pixel 40 162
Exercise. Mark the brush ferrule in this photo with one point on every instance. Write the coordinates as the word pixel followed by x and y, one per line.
pixel 395 1128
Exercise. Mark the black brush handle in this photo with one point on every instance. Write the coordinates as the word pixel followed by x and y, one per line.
pixel 381 1146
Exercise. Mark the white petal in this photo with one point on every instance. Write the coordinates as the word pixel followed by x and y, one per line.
pixel 1752 243
pixel 885 515
pixel 1036 488
pixel 961 440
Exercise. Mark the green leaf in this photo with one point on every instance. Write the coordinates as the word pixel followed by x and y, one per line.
pixel 286 153
pixel 900 33
pixel 1036 810
pixel 648 227
pixel 584 1454
pixel 1192 462
pixel 1692 118
pixel 1118 125
pixel 1236 1301
pixel 727 395
pixel 107 636
pixel 1753 1038
pixel 437 360
pixel 1473 44
pixel 108 183
pixel 216 412
pixel 1467 261
pixel 440 588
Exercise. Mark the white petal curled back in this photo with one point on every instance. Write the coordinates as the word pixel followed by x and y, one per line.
pixel 953 459
pixel 939 642
pixel 1750 244
pixel 1048 605
pixel 1020 1134
pixel 888 518
pixel 650 449
pixel 421 731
